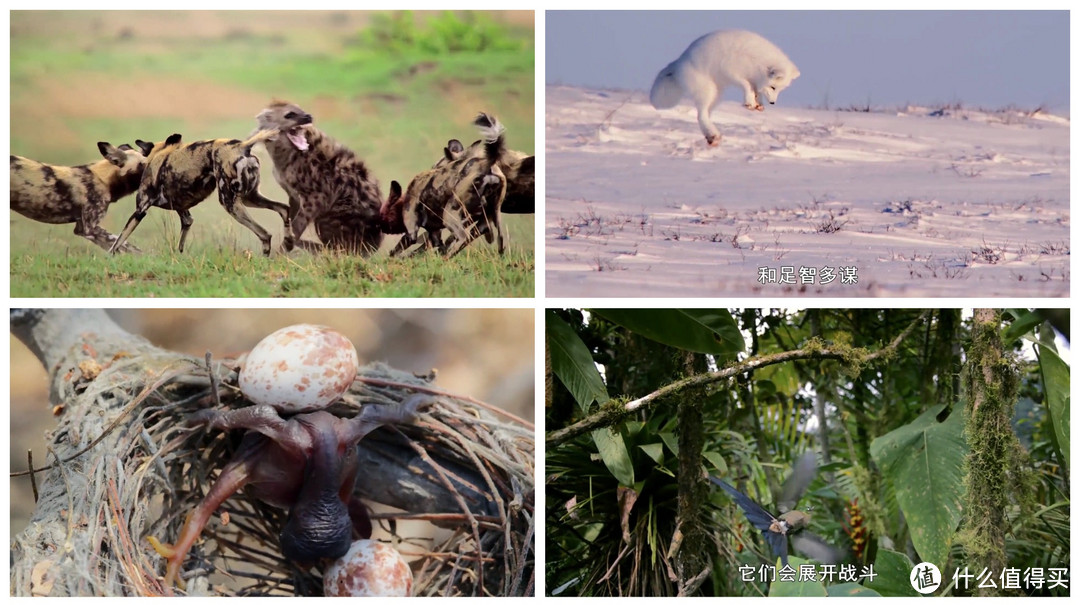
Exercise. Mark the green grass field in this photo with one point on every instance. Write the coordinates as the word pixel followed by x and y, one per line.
pixel 393 87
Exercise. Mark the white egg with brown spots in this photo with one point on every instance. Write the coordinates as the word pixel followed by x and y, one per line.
pixel 369 569
pixel 300 368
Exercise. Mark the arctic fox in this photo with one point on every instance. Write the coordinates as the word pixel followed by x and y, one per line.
pixel 718 60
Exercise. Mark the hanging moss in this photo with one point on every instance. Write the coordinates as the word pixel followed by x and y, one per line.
pixel 995 466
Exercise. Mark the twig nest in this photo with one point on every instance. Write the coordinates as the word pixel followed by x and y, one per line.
pixel 300 368
pixel 369 569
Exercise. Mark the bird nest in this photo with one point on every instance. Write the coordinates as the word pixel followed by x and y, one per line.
pixel 462 475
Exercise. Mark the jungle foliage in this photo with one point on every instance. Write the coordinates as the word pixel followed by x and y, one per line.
pixel 888 400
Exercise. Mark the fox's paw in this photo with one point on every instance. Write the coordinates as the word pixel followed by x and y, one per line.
pixel 712 139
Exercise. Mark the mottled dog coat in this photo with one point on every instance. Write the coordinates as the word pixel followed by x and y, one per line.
pixel 179 176
pixel 328 185
pixel 77 194
pixel 463 194
pixel 518 167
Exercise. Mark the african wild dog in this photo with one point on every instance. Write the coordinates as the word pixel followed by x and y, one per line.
pixel 463 194
pixel 179 176
pixel 518 168
pixel 328 185
pixel 515 165
pixel 78 194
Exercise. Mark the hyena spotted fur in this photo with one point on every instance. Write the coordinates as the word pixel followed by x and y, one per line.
pixel 463 194
pixel 77 194
pixel 179 176
pixel 328 185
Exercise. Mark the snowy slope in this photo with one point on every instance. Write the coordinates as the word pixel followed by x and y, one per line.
pixel 920 202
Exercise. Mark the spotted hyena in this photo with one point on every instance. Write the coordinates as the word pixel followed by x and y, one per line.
pixel 462 192
pixel 328 185
pixel 181 175
pixel 77 194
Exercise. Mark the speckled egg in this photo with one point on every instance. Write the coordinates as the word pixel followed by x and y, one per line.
pixel 369 569
pixel 300 368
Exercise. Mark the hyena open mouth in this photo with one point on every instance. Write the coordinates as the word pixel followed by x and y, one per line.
pixel 296 136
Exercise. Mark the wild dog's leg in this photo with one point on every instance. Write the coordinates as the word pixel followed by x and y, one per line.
pixel 185 224
pixel 463 229
pixel 403 244
pixel 750 96
pixel 254 199
pixel 430 238
pixel 498 195
pixel 87 226
pixel 705 93
pixel 143 201
pixel 436 240
pixel 241 215
pixel 504 237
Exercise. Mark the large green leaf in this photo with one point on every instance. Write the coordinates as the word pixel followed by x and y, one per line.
pixel 572 363
pixel 893 571
pixel 1024 320
pixel 616 457
pixel 924 461
pixel 1055 373
pixel 850 589
pixel 710 331
pixel 797 588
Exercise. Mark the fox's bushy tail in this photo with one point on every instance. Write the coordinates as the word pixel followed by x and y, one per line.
pixel 666 90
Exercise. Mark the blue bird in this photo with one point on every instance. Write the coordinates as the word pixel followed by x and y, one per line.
pixel 789 524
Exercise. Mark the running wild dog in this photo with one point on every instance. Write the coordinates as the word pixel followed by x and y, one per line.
pixel 179 176
pixel 463 194
pixel 77 194
pixel 328 185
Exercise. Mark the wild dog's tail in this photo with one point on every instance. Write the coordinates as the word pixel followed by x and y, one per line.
pixel 666 90
pixel 260 137
pixel 494 135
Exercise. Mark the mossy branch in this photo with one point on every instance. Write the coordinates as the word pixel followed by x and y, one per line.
pixel 813 349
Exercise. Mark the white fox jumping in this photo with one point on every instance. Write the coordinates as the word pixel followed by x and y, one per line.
pixel 718 60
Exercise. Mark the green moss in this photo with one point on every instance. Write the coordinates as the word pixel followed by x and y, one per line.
pixel 995 468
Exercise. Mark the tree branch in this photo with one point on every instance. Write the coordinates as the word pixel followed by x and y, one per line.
pixel 612 414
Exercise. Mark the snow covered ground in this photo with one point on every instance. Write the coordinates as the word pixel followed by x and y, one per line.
pixel 951 202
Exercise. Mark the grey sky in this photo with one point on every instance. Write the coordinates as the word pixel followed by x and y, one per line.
pixel 888 58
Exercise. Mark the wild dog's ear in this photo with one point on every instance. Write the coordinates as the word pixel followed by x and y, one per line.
pixel 395 191
pixel 453 149
pixel 173 139
pixel 114 155
pixel 144 146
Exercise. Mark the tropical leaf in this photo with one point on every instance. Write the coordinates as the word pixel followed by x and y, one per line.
pixel 616 457
pixel 851 590
pixel 572 363
pixel 893 578
pixel 924 461
pixel 796 588
pixel 711 331
pixel 1055 374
